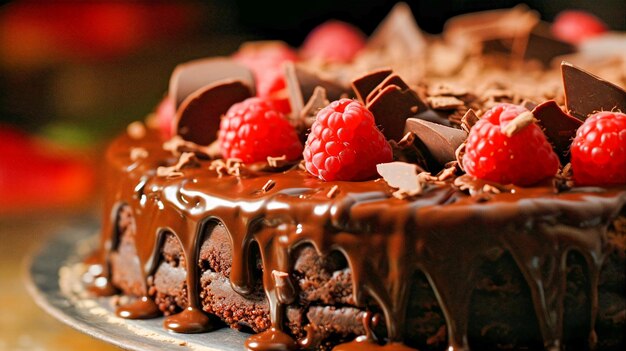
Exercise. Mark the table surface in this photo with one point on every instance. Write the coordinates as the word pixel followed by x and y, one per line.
pixel 23 325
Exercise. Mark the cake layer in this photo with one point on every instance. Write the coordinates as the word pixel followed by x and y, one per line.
pixel 294 256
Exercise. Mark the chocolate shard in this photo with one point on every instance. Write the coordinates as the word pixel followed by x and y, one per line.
pixel 586 93
pixel 294 92
pixel 440 140
pixel 391 107
pixel 559 127
pixel 317 102
pixel 544 47
pixel 392 79
pixel 505 29
pixel 198 117
pixel 398 31
pixel 468 120
pixel 364 85
pixel 309 79
pixel 191 76
pixel 402 176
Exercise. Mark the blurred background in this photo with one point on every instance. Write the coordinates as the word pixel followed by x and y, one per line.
pixel 74 74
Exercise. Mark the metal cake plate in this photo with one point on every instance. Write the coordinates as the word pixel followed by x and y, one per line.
pixel 53 278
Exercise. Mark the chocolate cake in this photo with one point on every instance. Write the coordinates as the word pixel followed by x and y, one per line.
pixel 421 257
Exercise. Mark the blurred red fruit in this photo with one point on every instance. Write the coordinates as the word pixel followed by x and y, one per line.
pixel 574 26
pixel 333 41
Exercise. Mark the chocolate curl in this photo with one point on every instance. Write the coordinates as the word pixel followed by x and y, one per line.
pixel 189 77
pixel 198 117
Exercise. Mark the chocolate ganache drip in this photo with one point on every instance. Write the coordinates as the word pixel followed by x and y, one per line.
pixel 445 225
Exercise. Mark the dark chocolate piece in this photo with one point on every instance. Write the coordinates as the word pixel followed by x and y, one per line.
pixel 501 30
pixel 364 85
pixel 393 79
pixel 391 107
pixel 198 118
pixel 586 93
pixel 294 92
pixel 191 76
pixel 468 120
pixel 440 140
pixel 544 47
pixel 559 127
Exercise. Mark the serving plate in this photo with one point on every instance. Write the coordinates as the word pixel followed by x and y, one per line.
pixel 53 278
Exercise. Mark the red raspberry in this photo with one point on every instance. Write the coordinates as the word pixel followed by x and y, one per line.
pixel 333 41
pixel 254 129
pixel 599 150
pixel 524 158
pixel 265 59
pixel 345 143
pixel 574 26
pixel 165 114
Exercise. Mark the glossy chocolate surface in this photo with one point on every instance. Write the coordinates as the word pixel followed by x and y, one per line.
pixel 444 231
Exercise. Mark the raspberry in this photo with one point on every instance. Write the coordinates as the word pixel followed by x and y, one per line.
pixel 165 114
pixel 574 26
pixel 265 59
pixel 254 129
pixel 524 158
pixel 599 150
pixel 333 41
pixel 345 143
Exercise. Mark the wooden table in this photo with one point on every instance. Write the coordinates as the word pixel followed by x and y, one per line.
pixel 23 325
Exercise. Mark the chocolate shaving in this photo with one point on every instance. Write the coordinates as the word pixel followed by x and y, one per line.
pixel 402 176
pixel 136 130
pixel 528 104
pixel 586 93
pixel 177 145
pixel 559 127
pixel 317 102
pixel 365 84
pixel 440 140
pixel 444 102
pixel 468 120
pixel 412 150
pixel 518 123
pixel 198 117
pixel 137 153
pixel 186 159
pixel 232 166
pixel 446 89
pixel 458 155
pixel 188 77
pixel 268 186
pixel 333 192
pixel 508 29
pixel 277 162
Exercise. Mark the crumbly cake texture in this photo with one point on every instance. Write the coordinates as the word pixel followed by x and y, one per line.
pixel 425 257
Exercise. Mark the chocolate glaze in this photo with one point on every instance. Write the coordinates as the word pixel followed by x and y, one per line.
pixel 430 232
